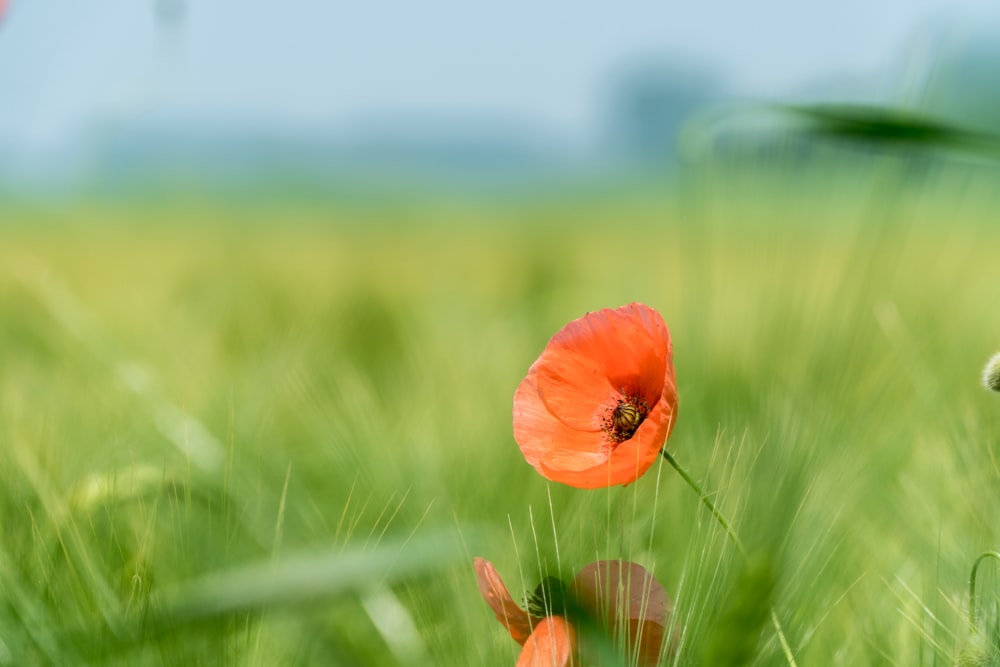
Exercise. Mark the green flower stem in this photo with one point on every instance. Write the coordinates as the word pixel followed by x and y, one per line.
pixel 972 587
pixel 707 502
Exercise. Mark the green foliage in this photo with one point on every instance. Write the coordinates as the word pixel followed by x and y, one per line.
pixel 246 445
pixel 889 127
pixel 737 631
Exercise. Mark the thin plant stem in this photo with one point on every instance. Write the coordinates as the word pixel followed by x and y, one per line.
pixel 972 586
pixel 706 501
pixel 734 538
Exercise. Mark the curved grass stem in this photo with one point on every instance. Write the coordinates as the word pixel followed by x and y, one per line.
pixel 734 538
pixel 972 586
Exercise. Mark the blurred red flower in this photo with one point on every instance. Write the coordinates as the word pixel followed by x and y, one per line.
pixel 601 400
pixel 621 597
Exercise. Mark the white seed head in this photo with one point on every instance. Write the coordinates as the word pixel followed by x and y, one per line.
pixel 991 373
pixel 977 652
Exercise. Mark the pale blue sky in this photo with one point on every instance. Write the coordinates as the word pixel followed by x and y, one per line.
pixel 70 68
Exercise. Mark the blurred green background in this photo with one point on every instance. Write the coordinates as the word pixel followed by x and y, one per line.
pixel 204 392
pixel 256 376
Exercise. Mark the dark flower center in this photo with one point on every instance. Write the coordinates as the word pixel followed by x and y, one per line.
pixel 625 418
pixel 548 598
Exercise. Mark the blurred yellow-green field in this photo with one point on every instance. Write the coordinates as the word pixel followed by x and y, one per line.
pixel 279 433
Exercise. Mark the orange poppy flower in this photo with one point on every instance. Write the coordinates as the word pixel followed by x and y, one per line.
pixel 621 597
pixel 600 401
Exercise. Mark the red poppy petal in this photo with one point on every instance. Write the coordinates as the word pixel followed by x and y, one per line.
pixel 517 621
pixel 591 360
pixel 622 590
pixel 631 601
pixel 633 457
pixel 646 640
pixel 550 645
pixel 627 462
pixel 542 437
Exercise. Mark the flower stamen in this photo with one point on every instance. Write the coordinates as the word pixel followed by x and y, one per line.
pixel 548 598
pixel 625 418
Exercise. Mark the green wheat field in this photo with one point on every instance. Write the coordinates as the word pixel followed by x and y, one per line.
pixel 277 433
